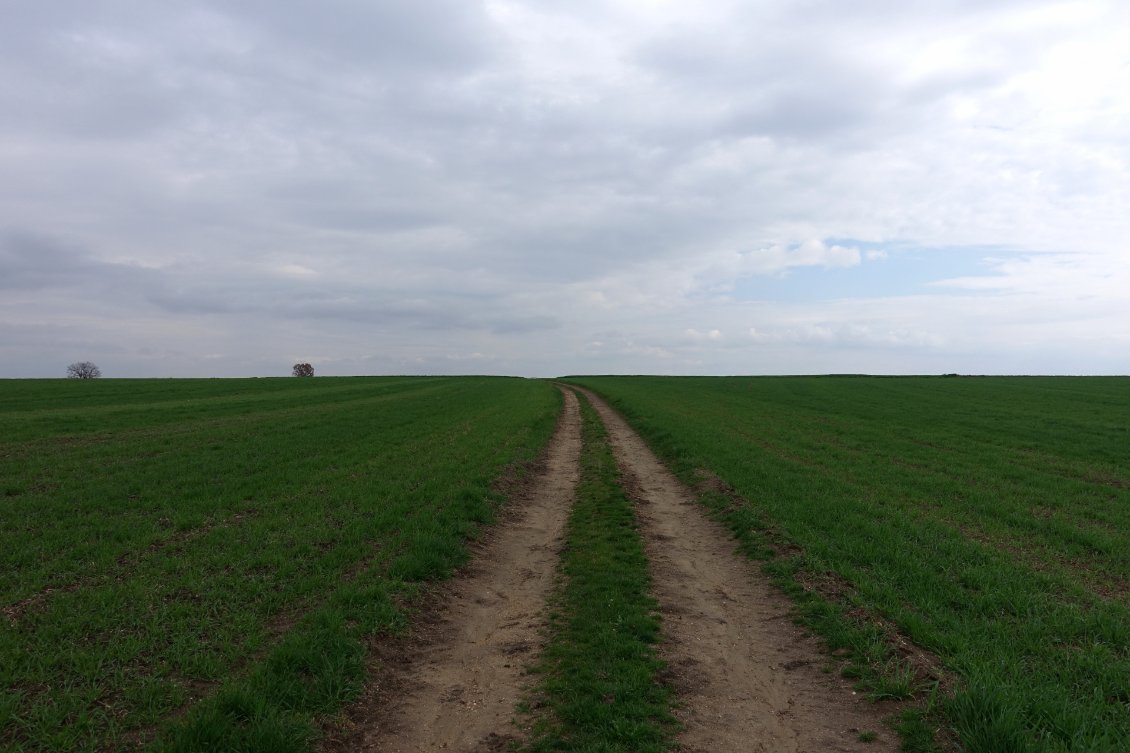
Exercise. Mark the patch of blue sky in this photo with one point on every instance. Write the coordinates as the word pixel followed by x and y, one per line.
pixel 885 270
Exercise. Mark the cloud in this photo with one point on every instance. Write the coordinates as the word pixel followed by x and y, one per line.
pixel 845 335
pixel 811 253
pixel 31 262
pixel 296 271
pixel 387 184
pixel 695 336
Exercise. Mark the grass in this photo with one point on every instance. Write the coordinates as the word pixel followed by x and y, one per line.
pixel 984 519
pixel 197 564
pixel 599 688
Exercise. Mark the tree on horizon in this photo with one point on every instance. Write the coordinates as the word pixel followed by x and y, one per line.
pixel 83 370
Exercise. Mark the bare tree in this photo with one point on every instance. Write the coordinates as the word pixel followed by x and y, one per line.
pixel 83 370
pixel 303 370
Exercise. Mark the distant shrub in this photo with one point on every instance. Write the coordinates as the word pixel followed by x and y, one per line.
pixel 303 370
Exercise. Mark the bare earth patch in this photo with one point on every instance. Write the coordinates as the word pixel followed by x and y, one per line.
pixel 747 678
pixel 456 683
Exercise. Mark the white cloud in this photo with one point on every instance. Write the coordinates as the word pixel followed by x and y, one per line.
pixel 296 271
pixel 694 335
pixel 847 335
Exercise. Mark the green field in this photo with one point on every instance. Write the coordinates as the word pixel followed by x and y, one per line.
pixel 194 563
pixel 200 564
pixel 986 519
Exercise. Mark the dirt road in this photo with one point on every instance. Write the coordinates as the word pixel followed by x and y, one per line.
pixel 457 688
pixel 745 677
pixel 748 678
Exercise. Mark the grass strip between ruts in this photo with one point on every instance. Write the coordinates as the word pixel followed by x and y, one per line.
pixel 599 687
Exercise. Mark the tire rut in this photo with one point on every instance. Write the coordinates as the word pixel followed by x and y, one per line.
pixel 747 677
pixel 457 687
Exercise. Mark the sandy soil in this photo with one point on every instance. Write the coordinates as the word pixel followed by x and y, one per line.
pixel 747 677
pixel 456 686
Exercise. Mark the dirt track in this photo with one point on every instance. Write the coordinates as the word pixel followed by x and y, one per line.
pixel 457 687
pixel 746 678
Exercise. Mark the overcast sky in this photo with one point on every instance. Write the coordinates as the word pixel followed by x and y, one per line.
pixel 545 187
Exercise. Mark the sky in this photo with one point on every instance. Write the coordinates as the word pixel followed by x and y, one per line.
pixel 223 189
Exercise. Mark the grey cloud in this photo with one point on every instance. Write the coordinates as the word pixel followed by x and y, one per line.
pixel 526 324
pixel 948 83
pixel 799 114
pixel 361 217
pixel 371 307
pixel 118 70
pixel 34 262
pixel 440 35
pixel 27 262
pixel 803 70
pixel 772 88
pixel 91 108
pixel 451 182
pixel 28 338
